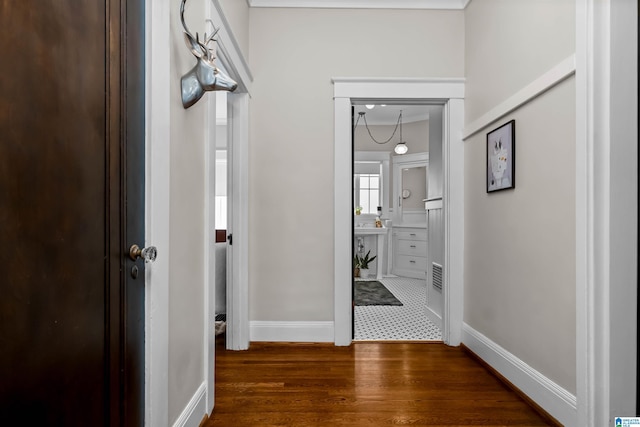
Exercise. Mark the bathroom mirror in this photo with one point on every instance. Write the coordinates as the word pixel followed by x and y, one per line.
pixel 410 188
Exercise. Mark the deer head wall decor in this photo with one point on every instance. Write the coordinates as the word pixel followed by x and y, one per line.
pixel 204 76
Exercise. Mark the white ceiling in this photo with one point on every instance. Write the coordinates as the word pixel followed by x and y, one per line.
pixel 364 4
pixel 388 115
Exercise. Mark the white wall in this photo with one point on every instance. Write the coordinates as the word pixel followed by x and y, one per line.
pixel 237 14
pixel 294 55
pixel 509 44
pixel 186 269
pixel 520 244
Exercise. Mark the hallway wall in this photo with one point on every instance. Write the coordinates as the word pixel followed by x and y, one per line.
pixel 520 244
pixel 294 55
pixel 186 265
pixel 237 14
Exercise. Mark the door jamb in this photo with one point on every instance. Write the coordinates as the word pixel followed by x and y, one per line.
pixel 230 56
pixel 157 205
pixel 238 295
pixel 451 93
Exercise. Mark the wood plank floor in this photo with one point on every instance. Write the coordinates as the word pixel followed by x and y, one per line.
pixel 366 384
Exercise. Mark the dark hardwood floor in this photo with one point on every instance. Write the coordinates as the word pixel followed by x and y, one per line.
pixel 366 384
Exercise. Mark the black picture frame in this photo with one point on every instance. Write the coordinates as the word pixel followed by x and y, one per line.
pixel 501 158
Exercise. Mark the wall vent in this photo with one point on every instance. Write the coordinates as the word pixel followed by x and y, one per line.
pixel 436 273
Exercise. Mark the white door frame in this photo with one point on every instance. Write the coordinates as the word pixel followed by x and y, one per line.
pixel 451 93
pixel 232 59
pixel 238 199
pixel 157 204
pixel 606 225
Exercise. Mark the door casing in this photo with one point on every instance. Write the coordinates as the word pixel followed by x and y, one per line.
pixel 449 92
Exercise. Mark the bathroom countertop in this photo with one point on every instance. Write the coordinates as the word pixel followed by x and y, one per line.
pixel 410 225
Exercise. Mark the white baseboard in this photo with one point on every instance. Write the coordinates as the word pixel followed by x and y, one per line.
pixel 292 331
pixel 557 401
pixel 434 317
pixel 195 410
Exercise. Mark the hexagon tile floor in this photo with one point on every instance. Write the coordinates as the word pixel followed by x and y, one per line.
pixel 407 322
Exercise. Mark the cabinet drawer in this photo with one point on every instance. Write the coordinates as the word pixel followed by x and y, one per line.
pixel 412 247
pixel 411 234
pixel 408 262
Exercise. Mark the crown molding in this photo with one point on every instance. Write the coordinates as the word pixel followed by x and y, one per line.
pixel 364 4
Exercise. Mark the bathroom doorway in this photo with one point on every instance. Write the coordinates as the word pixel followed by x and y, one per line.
pixel 390 181
pixel 449 93
pixel 231 218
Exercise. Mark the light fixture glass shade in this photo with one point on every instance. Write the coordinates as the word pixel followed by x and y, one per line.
pixel 401 148
pixel 369 106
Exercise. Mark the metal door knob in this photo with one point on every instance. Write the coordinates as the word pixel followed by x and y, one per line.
pixel 148 254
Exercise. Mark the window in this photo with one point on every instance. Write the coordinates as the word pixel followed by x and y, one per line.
pixel 367 192
pixel 221 190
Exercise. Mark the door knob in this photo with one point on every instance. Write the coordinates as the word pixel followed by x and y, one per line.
pixel 148 254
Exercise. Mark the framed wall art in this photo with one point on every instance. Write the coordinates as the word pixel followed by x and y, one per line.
pixel 501 158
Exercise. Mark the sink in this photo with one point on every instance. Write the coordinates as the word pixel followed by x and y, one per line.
pixel 361 229
pixel 367 225
pixel 381 234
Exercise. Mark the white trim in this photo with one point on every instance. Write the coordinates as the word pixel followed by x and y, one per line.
pixel 433 204
pixel 363 4
pixel 434 317
pixel 209 252
pixel 292 331
pixel 551 397
pixel 195 410
pixel 342 231
pixel 238 295
pixel 453 201
pixel 585 286
pixel 360 88
pixel 229 52
pixel 603 280
pixel 448 92
pixel 157 203
pixel 551 78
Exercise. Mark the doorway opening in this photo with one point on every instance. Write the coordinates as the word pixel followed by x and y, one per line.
pixel 393 293
pixel 221 213
pixel 450 94
pixel 230 218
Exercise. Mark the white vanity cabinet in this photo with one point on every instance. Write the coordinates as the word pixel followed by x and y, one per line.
pixel 410 252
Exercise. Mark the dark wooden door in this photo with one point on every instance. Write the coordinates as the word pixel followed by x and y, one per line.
pixel 71 203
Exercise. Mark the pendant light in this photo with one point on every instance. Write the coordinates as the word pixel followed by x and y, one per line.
pixel 401 147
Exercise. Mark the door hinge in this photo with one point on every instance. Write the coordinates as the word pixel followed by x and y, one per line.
pixel 230 239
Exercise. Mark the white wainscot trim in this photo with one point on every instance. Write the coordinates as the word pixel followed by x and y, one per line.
pixel 364 4
pixel 557 401
pixel 435 318
pixel 195 410
pixel 292 331
pixel 551 78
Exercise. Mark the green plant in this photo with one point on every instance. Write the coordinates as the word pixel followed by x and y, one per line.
pixel 363 262
pixel 358 210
